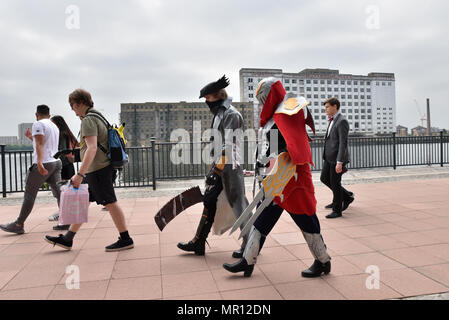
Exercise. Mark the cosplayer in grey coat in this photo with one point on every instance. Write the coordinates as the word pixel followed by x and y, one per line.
pixel 224 198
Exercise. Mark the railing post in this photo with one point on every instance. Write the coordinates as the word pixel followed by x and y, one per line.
pixel 3 170
pixel 441 148
pixel 394 150
pixel 153 164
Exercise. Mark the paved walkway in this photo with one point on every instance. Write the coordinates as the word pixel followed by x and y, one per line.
pixel 400 227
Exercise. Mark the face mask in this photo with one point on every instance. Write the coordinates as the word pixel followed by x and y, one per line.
pixel 214 106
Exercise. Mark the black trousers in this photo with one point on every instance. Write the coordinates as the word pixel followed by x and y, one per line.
pixel 271 214
pixel 332 180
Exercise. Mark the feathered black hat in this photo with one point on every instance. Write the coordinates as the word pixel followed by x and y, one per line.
pixel 216 86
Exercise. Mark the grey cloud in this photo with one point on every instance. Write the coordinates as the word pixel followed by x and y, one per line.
pixel 134 51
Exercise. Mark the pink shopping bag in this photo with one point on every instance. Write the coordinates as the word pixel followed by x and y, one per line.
pixel 73 204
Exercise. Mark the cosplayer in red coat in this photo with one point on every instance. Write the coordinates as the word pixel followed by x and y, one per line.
pixel 285 116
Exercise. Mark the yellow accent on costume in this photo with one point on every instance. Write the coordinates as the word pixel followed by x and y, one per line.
pixel 283 170
pixel 221 163
pixel 292 106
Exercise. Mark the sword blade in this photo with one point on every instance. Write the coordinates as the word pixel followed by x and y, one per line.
pixel 248 211
pixel 251 221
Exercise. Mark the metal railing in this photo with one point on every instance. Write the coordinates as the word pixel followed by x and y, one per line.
pixel 149 164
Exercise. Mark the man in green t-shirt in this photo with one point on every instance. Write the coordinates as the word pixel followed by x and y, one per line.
pixel 96 168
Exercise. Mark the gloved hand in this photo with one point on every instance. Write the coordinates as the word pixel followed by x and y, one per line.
pixel 212 178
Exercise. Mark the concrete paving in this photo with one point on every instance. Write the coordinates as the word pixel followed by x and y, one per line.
pixel 396 232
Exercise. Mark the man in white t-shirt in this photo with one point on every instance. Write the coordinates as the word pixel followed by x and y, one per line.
pixel 45 168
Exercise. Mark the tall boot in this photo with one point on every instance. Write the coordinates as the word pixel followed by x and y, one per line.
pixel 198 243
pixel 252 249
pixel 322 263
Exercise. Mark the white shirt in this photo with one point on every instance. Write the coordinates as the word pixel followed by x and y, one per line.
pixel 330 125
pixel 50 131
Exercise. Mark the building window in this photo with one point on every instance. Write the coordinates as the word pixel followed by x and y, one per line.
pixel 315 81
pixel 329 82
pixel 250 79
pixel 315 88
pixel 323 117
pixel 389 83
pixel 383 84
pixel 356 90
pixel 355 82
pixel 349 89
pixel 309 96
pixel 287 81
pixel 251 95
pixel 349 96
pixel 356 97
pixel 343 89
pixel 362 97
pixel 323 96
pixel 308 81
pixel 315 96
pixel 343 96
pixel 308 89
pixel 293 80
pixel 343 104
pixel 350 117
pixel 368 97
pixel 287 88
pixel 315 103
pixel 250 88
pixel 295 88
pixel 321 81
pixel 335 89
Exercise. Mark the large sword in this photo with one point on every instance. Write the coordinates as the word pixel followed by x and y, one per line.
pixel 177 205
pixel 272 185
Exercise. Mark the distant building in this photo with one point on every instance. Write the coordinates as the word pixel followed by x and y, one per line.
pixel 401 131
pixel 419 131
pixel 159 119
pixel 367 101
pixel 23 140
pixel 11 140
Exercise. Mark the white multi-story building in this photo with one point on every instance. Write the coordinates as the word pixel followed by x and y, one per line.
pixel 368 102
pixel 8 140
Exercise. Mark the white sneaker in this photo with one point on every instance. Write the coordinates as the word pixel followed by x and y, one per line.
pixel 54 217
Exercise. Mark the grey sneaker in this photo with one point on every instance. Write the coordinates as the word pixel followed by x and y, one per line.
pixel 12 227
pixel 54 217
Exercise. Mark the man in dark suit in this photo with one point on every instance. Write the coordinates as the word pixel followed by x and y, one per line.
pixel 336 157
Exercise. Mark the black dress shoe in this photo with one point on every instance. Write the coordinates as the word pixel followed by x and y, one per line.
pixel 347 203
pixel 334 214
pixel 316 269
pixel 240 266
pixel 329 206
pixel 199 246
pixel 237 254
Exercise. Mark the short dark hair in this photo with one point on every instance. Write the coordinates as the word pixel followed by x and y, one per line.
pixel 43 110
pixel 333 102
pixel 81 96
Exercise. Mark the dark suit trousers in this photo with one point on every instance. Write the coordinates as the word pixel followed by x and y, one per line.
pixel 332 180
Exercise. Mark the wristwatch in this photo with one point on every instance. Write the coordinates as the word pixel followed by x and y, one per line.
pixel 81 175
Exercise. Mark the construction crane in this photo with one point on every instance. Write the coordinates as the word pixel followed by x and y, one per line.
pixel 423 118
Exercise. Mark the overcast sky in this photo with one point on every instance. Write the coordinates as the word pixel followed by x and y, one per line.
pixel 165 51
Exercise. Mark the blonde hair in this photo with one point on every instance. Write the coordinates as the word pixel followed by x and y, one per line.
pixel 221 94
